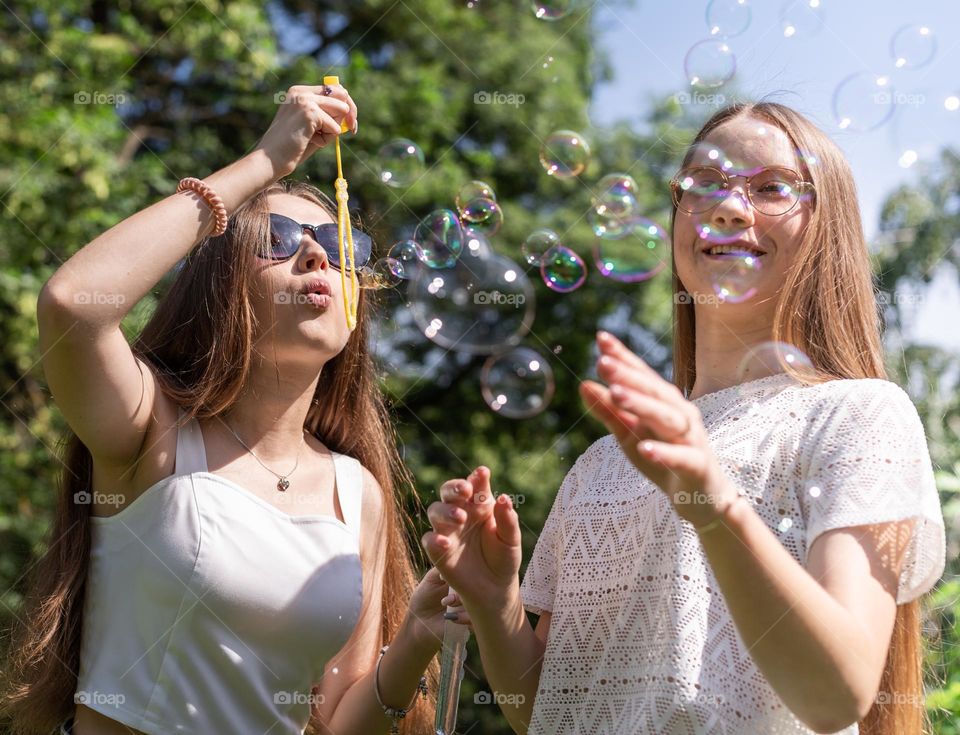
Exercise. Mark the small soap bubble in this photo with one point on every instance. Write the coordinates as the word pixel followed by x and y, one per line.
pixel 726 18
pixel 564 154
pixel 537 243
pixel 710 63
pixel 517 384
pixel 562 269
pixel 400 162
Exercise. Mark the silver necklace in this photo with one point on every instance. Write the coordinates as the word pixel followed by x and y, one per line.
pixel 282 482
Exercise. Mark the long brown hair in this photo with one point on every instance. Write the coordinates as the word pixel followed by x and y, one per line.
pixel 827 308
pixel 203 370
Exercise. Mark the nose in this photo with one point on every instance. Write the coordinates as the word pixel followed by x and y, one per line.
pixel 734 210
pixel 312 254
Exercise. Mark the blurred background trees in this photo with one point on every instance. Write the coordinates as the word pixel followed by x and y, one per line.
pixel 105 106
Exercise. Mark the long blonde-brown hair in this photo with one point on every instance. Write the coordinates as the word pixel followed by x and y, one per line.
pixel 203 370
pixel 827 308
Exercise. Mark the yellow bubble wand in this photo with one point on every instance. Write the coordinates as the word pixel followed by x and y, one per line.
pixel 345 232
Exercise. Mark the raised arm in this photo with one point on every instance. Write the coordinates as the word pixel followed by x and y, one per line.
pixel 106 394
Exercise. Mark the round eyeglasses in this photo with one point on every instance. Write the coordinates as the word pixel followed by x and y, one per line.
pixel 773 190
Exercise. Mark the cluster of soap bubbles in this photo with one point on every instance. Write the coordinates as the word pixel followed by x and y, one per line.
pixel 866 100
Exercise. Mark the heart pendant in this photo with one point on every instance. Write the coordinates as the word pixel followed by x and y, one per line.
pixel 283 484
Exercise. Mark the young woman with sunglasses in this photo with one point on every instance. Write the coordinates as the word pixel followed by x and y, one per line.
pixel 229 551
pixel 745 552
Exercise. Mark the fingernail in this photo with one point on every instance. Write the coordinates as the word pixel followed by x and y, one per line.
pixel 450 615
pixel 446 600
pixel 617 391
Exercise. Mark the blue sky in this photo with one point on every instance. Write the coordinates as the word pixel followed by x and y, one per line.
pixel 647 43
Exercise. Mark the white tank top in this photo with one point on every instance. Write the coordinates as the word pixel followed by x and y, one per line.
pixel 209 610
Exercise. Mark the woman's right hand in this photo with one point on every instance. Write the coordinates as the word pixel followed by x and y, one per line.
pixel 306 121
pixel 475 541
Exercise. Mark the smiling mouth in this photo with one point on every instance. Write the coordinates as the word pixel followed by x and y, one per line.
pixel 734 250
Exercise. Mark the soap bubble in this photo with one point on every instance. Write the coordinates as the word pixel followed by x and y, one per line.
pixel 537 243
pixel 474 190
pixel 552 9
pixel 387 272
pixel 400 162
pixel 801 18
pixel 726 18
pixel 913 47
pixel 476 243
pixel 772 358
pixel 482 215
pixel 640 252
pixel 409 256
pixel 564 154
pixel 863 101
pixel 734 276
pixel 710 63
pixel 614 202
pixel 562 269
pixel 517 384
pixel 479 305
pixel 440 237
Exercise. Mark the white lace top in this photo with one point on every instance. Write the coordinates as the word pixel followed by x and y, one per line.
pixel 641 640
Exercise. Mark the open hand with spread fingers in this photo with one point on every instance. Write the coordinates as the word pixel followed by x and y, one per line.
pixel 659 430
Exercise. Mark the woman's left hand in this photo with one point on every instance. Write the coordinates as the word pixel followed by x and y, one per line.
pixel 659 430
pixel 427 606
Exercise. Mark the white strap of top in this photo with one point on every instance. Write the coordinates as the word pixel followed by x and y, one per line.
pixel 191 456
pixel 349 489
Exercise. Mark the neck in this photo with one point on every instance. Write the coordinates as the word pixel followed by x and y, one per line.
pixel 722 344
pixel 271 410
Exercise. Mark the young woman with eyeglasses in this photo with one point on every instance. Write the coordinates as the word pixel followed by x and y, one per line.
pixel 745 552
pixel 229 552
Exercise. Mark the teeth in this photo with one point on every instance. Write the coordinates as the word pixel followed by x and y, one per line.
pixel 720 249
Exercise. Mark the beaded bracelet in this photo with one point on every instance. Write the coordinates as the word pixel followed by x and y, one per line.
pixel 721 516
pixel 212 199
pixel 397 713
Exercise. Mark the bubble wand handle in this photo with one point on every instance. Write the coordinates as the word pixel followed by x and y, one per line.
pixel 344 231
pixel 452 657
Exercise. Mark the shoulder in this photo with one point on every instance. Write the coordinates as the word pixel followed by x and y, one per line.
pixel 866 400
pixel 372 517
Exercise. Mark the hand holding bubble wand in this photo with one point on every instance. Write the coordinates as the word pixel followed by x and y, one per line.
pixel 345 232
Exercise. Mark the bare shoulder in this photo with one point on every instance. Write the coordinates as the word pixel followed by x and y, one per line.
pixel 372 519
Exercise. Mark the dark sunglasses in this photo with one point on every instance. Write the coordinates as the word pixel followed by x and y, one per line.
pixel 286 235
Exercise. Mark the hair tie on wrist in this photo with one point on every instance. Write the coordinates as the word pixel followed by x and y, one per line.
pixel 212 199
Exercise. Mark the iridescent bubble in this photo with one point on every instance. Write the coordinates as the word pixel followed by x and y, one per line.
pixel 863 101
pixel 710 63
pixel 552 9
pixel 801 18
pixel 537 243
pixel 409 256
pixel 734 276
pixel 726 18
pixel 387 272
pixel 482 215
pixel 400 162
pixel 440 237
pixel 564 154
pixel 480 305
pixel 772 358
pixel 614 203
pixel 517 384
pixel 474 190
pixel 913 46
pixel 639 253
pixel 562 269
